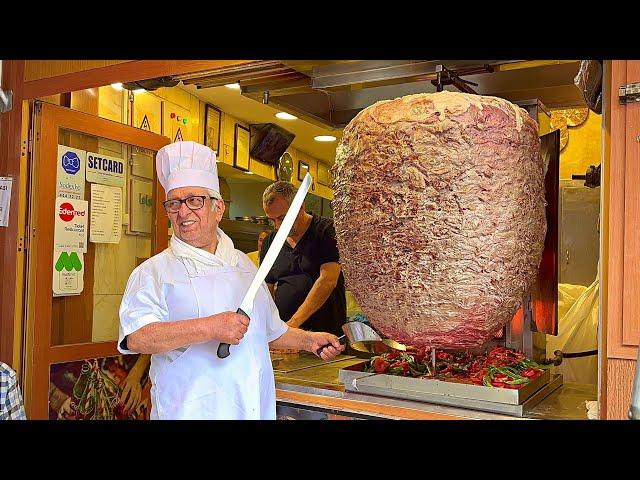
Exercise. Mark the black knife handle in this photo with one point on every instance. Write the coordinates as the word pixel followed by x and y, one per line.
pixel 223 348
pixel 342 340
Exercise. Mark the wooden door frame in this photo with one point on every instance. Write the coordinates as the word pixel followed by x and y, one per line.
pixel 122 72
pixel 41 354
pixel 13 78
pixel 10 152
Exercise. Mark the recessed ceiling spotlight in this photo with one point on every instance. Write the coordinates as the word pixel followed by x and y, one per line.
pixel 286 116
pixel 325 138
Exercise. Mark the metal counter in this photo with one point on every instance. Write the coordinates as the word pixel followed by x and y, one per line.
pixel 306 386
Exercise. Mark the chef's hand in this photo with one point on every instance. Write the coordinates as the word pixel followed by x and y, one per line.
pixel 331 344
pixel 229 327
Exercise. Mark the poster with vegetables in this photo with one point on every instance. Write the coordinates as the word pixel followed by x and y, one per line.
pixel 107 388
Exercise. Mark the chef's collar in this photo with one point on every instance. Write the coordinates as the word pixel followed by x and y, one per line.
pixel 226 254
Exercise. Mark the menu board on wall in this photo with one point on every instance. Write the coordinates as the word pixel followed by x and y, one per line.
pixel 70 231
pixel 70 172
pixel 106 214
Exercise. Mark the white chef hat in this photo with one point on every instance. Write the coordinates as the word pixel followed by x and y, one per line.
pixel 187 164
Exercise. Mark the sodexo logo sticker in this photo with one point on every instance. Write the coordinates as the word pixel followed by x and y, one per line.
pixel 67 212
pixel 70 163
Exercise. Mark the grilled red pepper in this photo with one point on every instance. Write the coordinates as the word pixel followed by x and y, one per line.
pixel 380 365
pixel 400 367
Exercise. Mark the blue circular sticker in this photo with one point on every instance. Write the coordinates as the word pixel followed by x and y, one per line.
pixel 70 163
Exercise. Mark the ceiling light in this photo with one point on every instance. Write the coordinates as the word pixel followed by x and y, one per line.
pixel 286 116
pixel 325 138
pixel 233 86
pixel 139 90
pixel 117 86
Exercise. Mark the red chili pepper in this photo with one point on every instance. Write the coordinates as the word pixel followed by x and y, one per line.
pixel 380 365
pixel 529 373
pixel 401 364
pixel 443 356
pixel 500 377
pixel 391 355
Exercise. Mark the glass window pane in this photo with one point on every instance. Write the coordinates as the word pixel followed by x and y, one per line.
pixel 87 308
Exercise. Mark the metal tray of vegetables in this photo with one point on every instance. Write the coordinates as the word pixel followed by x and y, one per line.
pixel 501 376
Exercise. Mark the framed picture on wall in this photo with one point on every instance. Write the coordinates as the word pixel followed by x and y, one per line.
pixel 212 121
pixel 241 148
pixel 303 168
pixel 323 174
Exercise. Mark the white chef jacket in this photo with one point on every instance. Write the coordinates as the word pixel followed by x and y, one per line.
pixel 184 282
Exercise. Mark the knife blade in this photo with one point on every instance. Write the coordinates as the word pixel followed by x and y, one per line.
pixel 246 306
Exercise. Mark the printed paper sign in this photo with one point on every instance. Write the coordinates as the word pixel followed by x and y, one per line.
pixel 71 225
pixel 68 272
pixel 70 172
pixel 106 214
pixel 5 200
pixel 105 169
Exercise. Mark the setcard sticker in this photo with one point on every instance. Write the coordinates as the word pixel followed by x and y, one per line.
pixel 105 169
pixel 70 172
pixel 71 219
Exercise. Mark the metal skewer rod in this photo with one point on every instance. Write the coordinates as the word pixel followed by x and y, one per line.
pixel 433 361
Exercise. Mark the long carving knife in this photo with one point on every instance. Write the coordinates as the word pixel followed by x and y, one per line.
pixel 246 307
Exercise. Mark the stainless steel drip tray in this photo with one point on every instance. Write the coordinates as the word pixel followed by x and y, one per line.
pixel 500 400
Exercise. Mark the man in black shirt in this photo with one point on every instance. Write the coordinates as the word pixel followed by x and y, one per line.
pixel 305 280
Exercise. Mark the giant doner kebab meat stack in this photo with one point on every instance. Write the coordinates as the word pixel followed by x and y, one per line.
pixel 440 215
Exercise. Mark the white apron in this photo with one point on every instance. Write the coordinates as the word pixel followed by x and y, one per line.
pixel 198 384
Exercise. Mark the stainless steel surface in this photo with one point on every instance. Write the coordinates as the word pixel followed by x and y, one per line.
pixel 554 401
pixel 365 339
pixel 435 390
pixel 565 402
pixel 323 376
pixel 276 245
pixel 396 71
pixel 579 213
pixel 300 361
pixel 377 385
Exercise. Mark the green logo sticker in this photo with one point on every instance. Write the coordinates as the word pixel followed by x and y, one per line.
pixel 68 262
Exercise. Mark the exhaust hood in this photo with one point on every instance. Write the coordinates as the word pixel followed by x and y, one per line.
pixel 330 93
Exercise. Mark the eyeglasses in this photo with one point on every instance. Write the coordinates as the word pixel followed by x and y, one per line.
pixel 194 202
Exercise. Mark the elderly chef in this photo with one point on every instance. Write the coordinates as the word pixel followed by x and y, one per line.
pixel 180 304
